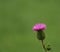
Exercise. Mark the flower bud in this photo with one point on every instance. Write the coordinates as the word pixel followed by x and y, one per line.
pixel 48 48
pixel 40 35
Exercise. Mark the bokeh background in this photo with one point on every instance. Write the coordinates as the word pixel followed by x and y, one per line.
pixel 17 18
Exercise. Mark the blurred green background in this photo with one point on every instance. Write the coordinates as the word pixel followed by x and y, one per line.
pixel 17 18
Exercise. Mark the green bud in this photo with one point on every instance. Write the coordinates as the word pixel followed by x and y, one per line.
pixel 48 48
pixel 40 35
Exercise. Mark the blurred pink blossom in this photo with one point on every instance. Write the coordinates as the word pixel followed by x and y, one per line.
pixel 39 26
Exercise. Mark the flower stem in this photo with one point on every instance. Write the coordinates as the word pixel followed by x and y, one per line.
pixel 44 45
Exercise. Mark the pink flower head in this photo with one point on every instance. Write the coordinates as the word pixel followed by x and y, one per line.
pixel 39 26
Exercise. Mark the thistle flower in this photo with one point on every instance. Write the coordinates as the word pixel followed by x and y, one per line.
pixel 41 35
pixel 39 26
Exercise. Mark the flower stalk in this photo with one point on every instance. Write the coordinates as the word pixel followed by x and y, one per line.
pixel 44 47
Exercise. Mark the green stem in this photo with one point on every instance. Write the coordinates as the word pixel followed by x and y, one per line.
pixel 44 45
